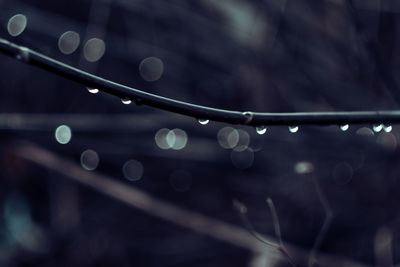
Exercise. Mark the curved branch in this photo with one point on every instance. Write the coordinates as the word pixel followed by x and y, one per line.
pixel 37 59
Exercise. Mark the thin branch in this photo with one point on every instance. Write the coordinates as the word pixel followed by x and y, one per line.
pixel 144 202
pixel 325 226
pixel 373 53
pixel 242 210
pixel 29 56
pixel 278 231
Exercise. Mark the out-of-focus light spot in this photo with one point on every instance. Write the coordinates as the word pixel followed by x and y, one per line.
pixel 151 69
pixel 242 159
pixel 365 131
pixel 90 160
pixel 94 49
pixel 303 167
pixel 171 138
pixel 69 42
pixel 175 139
pixel 16 25
pixel 293 129
pixel 228 137
pixel 383 245
pixel 161 138
pixel 63 134
pixel 243 142
pixel 387 140
pixel 133 170
pixel 181 180
pixel 180 139
pixel 344 127
pixel 203 121
pixel 342 173
pixel 17 217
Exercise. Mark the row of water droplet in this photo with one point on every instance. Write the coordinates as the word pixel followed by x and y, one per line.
pixel 263 129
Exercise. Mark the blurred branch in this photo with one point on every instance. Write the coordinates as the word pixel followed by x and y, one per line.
pixel 370 45
pixel 29 56
pixel 140 200
pixel 325 226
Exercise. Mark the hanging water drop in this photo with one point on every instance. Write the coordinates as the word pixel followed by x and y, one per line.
pixel 248 117
pixel 126 101
pixel 204 121
pixel 344 127
pixel 261 130
pixel 377 127
pixel 293 129
pixel 23 54
pixel 92 90
pixel 387 128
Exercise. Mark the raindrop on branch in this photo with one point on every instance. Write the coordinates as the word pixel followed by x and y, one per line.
pixel 387 128
pixel 344 127
pixel 249 116
pixel 92 90
pixel 126 101
pixel 23 54
pixel 261 130
pixel 377 127
pixel 293 129
pixel 203 121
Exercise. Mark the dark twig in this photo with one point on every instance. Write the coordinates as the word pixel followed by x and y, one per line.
pixel 278 231
pixel 373 53
pixel 241 208
pixel 325 226
pixel 143 201
pixel 29 56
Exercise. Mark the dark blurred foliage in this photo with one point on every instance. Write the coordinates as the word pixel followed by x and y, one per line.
pixel 272 56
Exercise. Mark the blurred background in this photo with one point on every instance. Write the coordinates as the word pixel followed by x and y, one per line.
pixel 334 189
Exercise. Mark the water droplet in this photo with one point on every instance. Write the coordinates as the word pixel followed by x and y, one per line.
pixel 23 54
pixel 248 116
pixel 387 128
pixel 261 130
pixel 126 101
pixel 92 90
pixel 204 121
pixel 293 129
pixel 377 127
pixel 344 127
